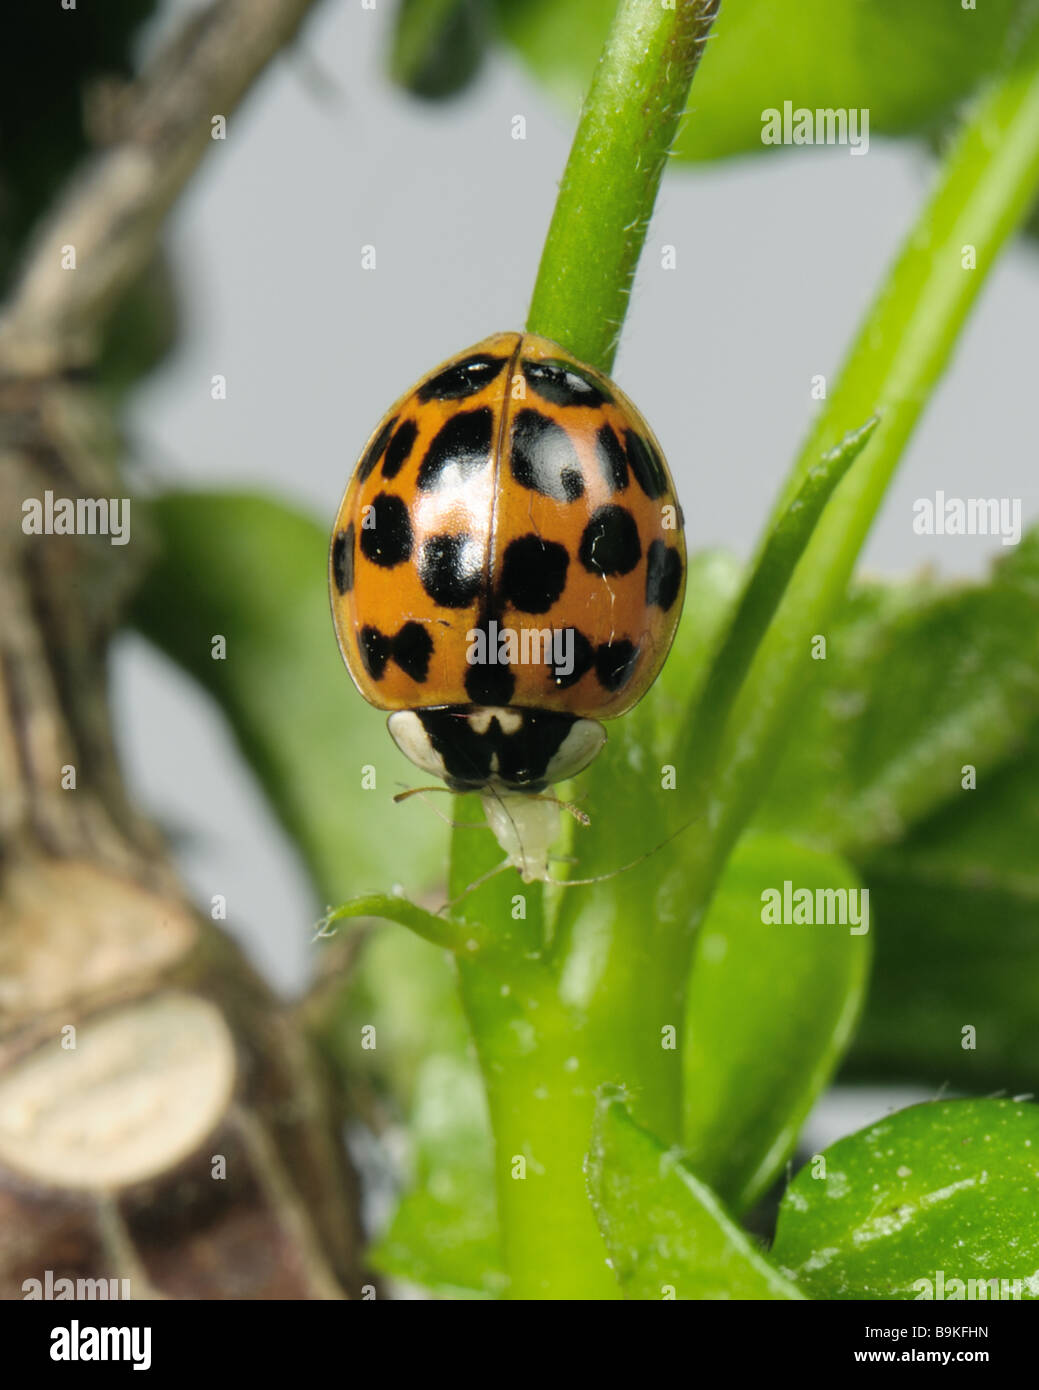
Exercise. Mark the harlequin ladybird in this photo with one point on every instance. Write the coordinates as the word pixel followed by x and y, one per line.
pixel 507 568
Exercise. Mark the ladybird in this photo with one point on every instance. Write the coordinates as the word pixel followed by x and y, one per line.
pixel 507 568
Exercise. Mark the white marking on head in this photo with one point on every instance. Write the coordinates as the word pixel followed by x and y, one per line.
pixel 509 720
pixel 577 750
pixel 409 734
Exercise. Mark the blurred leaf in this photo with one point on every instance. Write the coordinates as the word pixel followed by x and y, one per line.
pixel 407 990
pixel 444 1234
pixel 958 946
pixel 945 1187
pixel 769 1013
pixel 438 46
pixel 666 1232
pixel 909 65
pixel 918 682
pixel 51 60
pixel 254 571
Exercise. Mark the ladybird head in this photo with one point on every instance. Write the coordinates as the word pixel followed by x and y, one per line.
pixel 481 747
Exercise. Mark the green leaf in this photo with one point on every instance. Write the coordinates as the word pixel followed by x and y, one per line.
pixel 438 46
pixel 783 547
pixel 254 571
pixel 444 1234
pixel 950 1187
pixel 910 65
pixel 769 1013
pixel 918 681
pixel 667 1234
pixel 956 986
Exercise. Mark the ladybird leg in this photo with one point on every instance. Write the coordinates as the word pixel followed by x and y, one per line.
pixel 582 817
pixel 476 883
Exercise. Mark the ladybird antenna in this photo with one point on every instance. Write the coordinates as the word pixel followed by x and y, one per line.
pixel 417 791
pixel 601 878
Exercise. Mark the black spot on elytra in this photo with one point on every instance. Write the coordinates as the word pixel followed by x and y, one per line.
pixel 463 379
pixel 375 651
pixel 646 464
pixel 584 656
pixel 450 570
pixel 615 662
pixel 373 453
pixel 489 685
pixel 388 541
pixel 610 542
pixel 343 560
pixel 543 457
pixel 522 756
pixel 460 447
pixel 612 458
pixel 564 383
pixel 663 575
pixel 411 649
pixel 399 448
pixel 533 573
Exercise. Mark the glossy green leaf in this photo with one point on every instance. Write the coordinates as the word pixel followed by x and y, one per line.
pixel 254 571
pixel 947 1189
pixel 770 1010
pixel 909 64
pixel 666 1232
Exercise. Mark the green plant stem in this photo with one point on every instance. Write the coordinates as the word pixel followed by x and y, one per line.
pixel 544 1046
pixel 627 126
pixel 985 189
pixel 535 1059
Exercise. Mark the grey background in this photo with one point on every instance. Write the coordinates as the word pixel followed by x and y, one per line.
pixel 777 259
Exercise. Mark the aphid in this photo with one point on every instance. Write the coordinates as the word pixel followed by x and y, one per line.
pixel 507 568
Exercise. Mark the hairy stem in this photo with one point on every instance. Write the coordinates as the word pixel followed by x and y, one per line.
pixel 628 123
